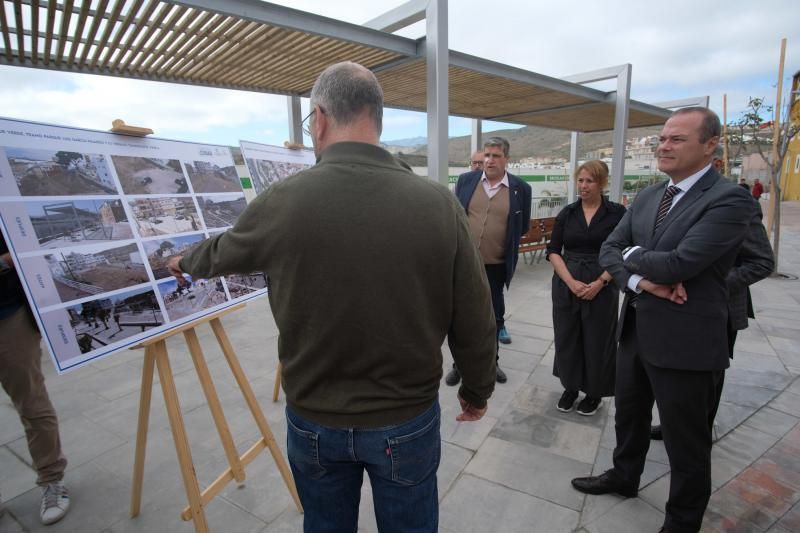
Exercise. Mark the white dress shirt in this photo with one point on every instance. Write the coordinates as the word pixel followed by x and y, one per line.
pixel 490 189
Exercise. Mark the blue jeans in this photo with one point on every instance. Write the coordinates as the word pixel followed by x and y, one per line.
pixel 328 466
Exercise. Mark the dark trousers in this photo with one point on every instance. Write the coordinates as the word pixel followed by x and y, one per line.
pixel 718 393
pixel 685 401
pixel 496 275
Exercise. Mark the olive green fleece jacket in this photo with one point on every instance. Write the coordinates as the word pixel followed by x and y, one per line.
pixel 369 268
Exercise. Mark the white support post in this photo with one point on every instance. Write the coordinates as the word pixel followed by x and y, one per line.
pixel 436 53
pixel 621 106
pixel 295 120
pixel 475 139
pixel 573 164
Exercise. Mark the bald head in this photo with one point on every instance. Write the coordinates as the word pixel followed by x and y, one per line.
pixel 476 161
pixel 347 92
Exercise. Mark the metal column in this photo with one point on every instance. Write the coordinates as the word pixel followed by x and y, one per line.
pixel 573 164
pixel 622 102
pixel 475 143
pixel 436 53
pixel 295 126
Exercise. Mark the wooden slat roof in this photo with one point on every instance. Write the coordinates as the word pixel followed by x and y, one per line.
pixel 255 46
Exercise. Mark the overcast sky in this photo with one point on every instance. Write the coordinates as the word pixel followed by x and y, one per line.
pixel 678 49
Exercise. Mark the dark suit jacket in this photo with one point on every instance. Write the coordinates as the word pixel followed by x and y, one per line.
pixel 519 213
pixel 696 244
pixel 754 262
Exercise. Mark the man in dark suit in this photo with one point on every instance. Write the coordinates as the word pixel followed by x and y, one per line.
pixel 754 262
pixel 673 250
pixel 498 206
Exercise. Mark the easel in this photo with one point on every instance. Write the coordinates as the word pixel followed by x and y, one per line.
pixel 155 355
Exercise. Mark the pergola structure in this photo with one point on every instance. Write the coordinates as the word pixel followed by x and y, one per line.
pixel 257 46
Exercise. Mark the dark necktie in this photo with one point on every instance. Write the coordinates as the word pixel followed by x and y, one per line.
pixel 664 206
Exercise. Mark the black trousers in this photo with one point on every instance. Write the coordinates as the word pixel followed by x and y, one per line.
pixel 685 401
pixel 496 275
pixel 718 393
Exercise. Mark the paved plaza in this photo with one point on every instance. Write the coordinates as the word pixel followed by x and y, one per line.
pixel 507 473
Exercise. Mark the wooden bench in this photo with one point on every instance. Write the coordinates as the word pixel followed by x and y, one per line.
pixel 535 241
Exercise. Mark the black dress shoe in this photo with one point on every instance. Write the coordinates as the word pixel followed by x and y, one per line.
pixel 655 433
pixel 604 484
pixel 501 376
pixel 453 377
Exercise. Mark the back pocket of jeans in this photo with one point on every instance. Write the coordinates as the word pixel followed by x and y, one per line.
pixel 303 450
pixel 416 455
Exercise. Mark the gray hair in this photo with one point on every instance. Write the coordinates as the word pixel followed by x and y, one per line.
pixel 498 142
pixel 718 153
pixel 710 127
pixel 346 90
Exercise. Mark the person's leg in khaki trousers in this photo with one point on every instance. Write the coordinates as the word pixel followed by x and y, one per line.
pixel 21 377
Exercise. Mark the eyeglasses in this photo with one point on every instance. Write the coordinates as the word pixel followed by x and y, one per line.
pixel 306 125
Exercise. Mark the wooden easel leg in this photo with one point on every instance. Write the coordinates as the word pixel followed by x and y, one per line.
pixel 179 436
pixel 141 431
pixel 255 409
pixel 214 404
pixel 277 390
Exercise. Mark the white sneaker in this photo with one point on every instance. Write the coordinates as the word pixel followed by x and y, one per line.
pixel 55 503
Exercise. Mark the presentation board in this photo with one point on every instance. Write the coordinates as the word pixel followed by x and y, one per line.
pixel 271 164
pixel 91 219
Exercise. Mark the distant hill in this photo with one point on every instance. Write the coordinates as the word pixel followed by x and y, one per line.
pixel 532 141
pixel 413 141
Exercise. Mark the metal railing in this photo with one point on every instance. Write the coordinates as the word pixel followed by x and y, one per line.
pixel 547 206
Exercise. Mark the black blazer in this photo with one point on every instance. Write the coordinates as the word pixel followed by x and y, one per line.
pixel 754 262
pixel 519 212
pixel 696 244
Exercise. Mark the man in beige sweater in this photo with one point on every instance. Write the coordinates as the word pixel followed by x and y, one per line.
pixel 498 206
pixel 369 268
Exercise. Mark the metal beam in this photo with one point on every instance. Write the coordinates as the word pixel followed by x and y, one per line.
pixel 295 120
pixel 399 17
pixel 478 64
pixel 475 138
pixel 602 74
pixel 621 109
pixel 653 109
pixel 545 111
pixel 293 19
pixel 699 101
pixel 436 44
pixel 101 71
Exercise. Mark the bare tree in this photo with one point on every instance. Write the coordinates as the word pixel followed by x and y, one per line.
pixel 751 129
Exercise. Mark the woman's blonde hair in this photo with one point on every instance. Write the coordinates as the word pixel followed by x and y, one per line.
pixel 596 169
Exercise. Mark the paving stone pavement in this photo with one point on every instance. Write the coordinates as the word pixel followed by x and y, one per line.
pixel 509 472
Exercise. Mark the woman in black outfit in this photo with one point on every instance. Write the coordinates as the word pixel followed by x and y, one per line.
pixel 585 299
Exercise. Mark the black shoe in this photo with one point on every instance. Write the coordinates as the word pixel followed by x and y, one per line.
pixel 501 376
pixel 453 377
pixel 655 433
pixel 606 483
pixel 589 406
pixel 567 401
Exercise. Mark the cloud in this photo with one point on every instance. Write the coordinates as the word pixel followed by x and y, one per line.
pixel 94 101
pixel 677 49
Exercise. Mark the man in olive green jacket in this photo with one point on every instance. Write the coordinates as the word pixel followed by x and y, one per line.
pixel 369 268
